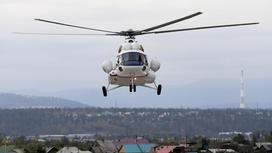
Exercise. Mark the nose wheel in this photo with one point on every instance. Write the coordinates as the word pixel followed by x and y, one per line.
pixel 132 88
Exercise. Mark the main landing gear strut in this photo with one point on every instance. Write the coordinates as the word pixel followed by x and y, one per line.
pixel 158 88
pixel 132 88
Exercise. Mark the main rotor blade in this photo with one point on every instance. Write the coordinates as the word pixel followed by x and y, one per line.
pixel 198 28
pixel 171 22
pixel 65 34
pixel 60 34
pixel 75 26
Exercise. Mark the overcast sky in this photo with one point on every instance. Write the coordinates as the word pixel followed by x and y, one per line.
pixel 63 62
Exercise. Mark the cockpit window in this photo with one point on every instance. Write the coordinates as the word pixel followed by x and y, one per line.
pixel 133 59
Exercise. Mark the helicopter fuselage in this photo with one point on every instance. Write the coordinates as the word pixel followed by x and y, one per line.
pixel 132 68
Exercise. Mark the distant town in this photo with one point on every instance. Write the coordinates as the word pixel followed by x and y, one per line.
pixel 89 143
pixel 133 130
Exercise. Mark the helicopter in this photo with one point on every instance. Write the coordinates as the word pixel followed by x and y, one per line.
pixel 132 67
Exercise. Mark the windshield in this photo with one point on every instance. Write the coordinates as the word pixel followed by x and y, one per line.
pixel 133 59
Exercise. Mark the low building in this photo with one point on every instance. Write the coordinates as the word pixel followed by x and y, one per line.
pixel 10 149
pixel 172 149
pixel 163 149
pixel 137 140
pixel 136 148
pixel 259 144
pixel 51 150
pixel 222 151
pixel 72 150
pixel 265 148
pixel 104 146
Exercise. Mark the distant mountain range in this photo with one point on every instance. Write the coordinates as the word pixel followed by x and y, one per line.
pixel 202 94
pixel 8 100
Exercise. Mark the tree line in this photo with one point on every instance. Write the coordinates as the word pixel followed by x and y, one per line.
pixel 129 122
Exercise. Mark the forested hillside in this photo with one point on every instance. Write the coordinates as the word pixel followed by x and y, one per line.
pixel 122 121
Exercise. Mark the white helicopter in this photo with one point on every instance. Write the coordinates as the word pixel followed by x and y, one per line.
pixel 132 68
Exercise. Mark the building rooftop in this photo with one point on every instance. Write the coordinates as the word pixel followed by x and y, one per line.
pixel 6 149
pixel 163 149
pixel 136 148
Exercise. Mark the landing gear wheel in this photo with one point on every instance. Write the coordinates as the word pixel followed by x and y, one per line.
pixel 134 88
pixel 130 88
pixel 159 88
pixel 104 91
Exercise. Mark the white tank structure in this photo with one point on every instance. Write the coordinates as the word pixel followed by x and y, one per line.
pixel 155 65
pixel 107 66
pixel 242 91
